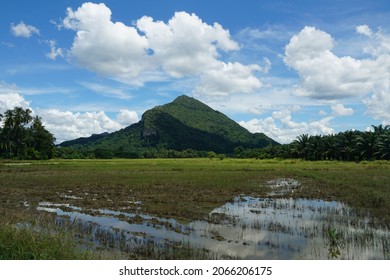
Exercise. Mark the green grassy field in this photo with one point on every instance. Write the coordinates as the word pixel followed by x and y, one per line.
pixel 183 189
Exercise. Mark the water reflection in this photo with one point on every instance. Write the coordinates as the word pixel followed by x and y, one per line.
pixel 247 228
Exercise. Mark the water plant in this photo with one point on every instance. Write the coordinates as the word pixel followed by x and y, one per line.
pixel 334 242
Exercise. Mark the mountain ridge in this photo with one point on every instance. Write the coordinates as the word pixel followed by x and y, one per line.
pixel 184 123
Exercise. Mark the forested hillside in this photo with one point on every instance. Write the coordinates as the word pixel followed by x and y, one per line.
pixel 185 124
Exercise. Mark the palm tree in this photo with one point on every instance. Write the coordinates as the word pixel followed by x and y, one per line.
pixel 301 146
pixel 315 147
pixel 9 120
pixel 330 147
pixel 345 145
pixel 379 130
pixel 13 133
pixel 382 146
pixel 365 145
pixel 41 142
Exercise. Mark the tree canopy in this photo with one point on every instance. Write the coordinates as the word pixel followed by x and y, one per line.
pixel 351 145
pixel 23 136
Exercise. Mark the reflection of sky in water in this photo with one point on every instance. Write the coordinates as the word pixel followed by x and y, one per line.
pixel 256 228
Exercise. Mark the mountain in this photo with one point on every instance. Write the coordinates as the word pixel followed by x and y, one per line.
pixel 185 123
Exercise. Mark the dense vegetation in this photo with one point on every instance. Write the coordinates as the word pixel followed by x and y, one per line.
pixel 345 146
pixel 25 243
pixel 23 136
pixel 183 128
pixel 187 128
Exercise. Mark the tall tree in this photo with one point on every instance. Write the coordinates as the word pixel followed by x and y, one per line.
pixel 365 145
pixel 301 146
pixel 40 140
pixel 19 138
pixel 382 144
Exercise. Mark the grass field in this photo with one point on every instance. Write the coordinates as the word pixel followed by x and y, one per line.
pixel 183 189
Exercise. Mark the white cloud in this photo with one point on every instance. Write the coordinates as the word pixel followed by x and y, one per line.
pixel 11 100
pixel 324 75
pixel 183 47
pixel 378 105
pixel 23 30
pixel 322 113
pixel 54 51
pixel 126 117
pixel 283 129
pixel 230 78
pixel 108 48
pixel 66 125
pixel 267 65
pixel 340 110
pixel 364 30
pixel 378 43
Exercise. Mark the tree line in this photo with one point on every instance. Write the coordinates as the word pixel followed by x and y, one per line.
pixel 351 145
pixel 23 136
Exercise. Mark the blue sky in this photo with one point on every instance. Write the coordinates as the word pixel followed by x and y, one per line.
pixel 280 67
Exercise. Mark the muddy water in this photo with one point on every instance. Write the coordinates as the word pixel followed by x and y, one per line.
pixel 247 228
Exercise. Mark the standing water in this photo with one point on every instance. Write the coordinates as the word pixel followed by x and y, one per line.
pixel 247 228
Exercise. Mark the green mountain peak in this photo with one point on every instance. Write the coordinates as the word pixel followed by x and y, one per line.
pixel 185 123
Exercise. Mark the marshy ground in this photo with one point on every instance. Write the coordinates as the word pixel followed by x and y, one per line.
pixel 130 208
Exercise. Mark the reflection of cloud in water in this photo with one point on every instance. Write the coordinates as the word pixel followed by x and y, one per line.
pixel 253 228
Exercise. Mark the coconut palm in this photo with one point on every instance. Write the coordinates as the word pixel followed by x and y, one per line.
pixel 19 140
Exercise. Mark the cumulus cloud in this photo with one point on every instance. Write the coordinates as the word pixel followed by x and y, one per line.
pixel 324 75
pixel 378 105
pixel 364 30
pixel 67 125
pixel 152 50
pixel 340 110
pixel 283 129
pixel 229 78
pixel 185 45
pixel 126 117
pixel 11 100
pixel 23 30
pixel 108 48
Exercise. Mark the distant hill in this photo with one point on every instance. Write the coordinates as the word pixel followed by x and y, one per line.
pixel 185 123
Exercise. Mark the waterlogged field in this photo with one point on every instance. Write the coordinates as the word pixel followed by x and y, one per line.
pixel 196 209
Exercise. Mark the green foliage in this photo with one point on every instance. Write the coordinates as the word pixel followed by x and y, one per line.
pixel 211 155
pixel 24 243
pixel 183 128
pixel 24 137
pixel 186 124
pixel 345 146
